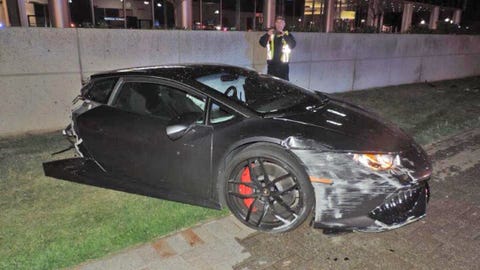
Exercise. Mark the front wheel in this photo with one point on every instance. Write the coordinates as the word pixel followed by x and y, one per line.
pixel 267 189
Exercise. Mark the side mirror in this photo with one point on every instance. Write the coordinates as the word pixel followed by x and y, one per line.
pixel 181 125
pixel 174 132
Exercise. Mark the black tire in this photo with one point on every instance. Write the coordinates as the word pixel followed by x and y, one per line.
pixel 267 189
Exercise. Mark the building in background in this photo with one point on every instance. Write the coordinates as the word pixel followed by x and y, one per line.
pixel 379 15
pixel 301 15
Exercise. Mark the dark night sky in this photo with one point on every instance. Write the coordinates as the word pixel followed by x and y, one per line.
pixel 472 12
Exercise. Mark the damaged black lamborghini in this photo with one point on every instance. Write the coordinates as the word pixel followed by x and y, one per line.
pixel 270 151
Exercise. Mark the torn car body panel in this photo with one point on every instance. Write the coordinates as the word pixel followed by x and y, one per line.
pixel 87 172
pixel 131 146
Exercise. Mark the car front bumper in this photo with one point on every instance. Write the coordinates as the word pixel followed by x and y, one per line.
pixel 357 198
pixel 400 208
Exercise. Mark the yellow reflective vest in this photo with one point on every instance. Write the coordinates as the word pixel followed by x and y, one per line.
pixel 285 57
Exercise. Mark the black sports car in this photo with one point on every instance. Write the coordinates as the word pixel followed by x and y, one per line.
pixel 272 152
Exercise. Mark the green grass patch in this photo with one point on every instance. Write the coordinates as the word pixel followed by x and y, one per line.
pixel 48 224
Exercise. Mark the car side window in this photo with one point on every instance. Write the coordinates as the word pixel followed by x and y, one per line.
pixel 228 84
pixel 219 114
pixel 161 101
pixel 99 91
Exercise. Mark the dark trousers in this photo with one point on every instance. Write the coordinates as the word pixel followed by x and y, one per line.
pixel 279 70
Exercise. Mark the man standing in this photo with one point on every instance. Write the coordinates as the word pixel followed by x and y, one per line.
pixel 279 44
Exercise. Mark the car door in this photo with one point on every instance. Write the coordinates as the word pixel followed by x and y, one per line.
pixel 128 138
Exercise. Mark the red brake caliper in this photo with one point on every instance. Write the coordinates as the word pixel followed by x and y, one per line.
pixel 246 190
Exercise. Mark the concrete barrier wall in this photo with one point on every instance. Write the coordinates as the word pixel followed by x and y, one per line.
pixel 39 76
pixel 41 69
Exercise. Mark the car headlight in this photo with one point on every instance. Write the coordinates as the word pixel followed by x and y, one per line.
pixel 377 162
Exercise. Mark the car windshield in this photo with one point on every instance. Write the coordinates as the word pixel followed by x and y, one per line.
pixel 262 93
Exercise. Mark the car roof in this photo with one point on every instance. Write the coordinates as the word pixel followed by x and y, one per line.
pixel 178 72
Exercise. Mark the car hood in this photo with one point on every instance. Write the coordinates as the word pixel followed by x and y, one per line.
pixel 351 128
